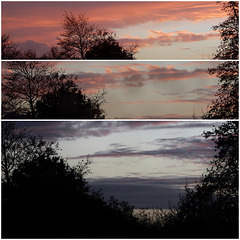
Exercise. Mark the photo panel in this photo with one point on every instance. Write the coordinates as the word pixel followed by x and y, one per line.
pixel 120 30
pixel 120 89
pixel 147 178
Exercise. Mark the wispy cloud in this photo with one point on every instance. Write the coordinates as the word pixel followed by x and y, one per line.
pixel 46 18
pixel 171 148
pixel 134 75
pixel 70 130
pixel 161 38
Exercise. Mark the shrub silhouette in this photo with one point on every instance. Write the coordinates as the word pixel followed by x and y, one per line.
pixel 210 209
pixel 49 199
pixel 109 48
pixel 68 102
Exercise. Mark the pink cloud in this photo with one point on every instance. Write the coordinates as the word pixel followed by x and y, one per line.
pixel 167 39
pixel 135 76
pixel 46 17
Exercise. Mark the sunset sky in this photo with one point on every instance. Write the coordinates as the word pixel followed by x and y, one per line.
pixel 163 30
pixel 144 162
pixel 148 89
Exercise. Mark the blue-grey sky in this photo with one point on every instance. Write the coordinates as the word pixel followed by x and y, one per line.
pixel 144 162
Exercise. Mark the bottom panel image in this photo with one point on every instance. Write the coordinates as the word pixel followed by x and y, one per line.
pixel 120 179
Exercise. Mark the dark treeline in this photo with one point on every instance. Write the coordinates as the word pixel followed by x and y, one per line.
pixel 43 197
pixel 80 40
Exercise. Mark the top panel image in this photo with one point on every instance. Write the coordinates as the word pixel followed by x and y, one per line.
pixel 120 30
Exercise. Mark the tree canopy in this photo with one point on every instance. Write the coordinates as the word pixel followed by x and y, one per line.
pixel 67 102
pixel 226 105
pixel 227 98
pixel 109 48
pixel 35 90
pixel 83 40
pixel 23 85
pixel 229 32
pixel 210 209
pixel 19 146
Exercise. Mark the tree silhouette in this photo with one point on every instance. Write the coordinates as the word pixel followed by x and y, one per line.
pixel 109 48
pixel 226 105
pixel 222 178
pixel 36 90
pixel 56 53
pixel 23 85
pixel 19 146
pixel 49 199
pixel 229 31
pixel 9 48
pixel 79 35
pixel 67 102
pixel 210 209
pixel 82 40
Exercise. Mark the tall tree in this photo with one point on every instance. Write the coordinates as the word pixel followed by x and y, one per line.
pixel 79 35
pixel 226 104
pixel 83 40
pixel 24 83
pixel 222 177
pixel 210 209
pixel 19 146
pixel 229 32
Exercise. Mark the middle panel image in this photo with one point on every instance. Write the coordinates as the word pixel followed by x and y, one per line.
pixel 109 89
